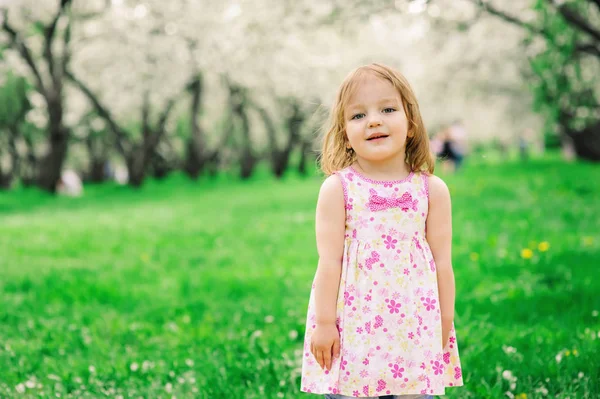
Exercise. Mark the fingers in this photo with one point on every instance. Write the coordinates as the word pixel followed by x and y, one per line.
pixel 327 359
pixel 336 348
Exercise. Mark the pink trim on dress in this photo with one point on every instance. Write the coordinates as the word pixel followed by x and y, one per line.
pixel 365 178
pixel 426 182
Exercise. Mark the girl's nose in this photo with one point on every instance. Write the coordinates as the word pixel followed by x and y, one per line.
pixel 375 121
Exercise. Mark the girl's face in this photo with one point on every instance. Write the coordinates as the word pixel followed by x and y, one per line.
pixel 375 121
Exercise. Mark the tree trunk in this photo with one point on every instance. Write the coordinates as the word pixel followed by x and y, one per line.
pixel 194 163
pixel 304 155
pixel 50 167
pixel 136 167
pixel 587 142
pixel 96 171
pixel 294 123
pixel 195 151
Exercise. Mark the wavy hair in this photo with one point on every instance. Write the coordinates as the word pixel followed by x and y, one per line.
pixel 336 156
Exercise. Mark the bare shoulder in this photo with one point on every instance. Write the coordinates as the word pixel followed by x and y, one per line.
pixel 438 190
pixel 332 191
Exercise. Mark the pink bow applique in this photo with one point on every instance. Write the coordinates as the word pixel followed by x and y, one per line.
pixel 378 203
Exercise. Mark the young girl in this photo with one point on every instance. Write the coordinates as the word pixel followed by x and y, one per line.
pixel 381 310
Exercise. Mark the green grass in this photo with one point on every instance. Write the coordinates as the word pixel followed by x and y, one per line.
pixel 200 289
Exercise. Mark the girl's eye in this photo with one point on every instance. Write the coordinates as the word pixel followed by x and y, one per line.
pixel 357 116
pixel 389 110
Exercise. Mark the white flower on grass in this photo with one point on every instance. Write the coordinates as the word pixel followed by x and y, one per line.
pixel 293 334
pixel 542 389
pixel 134 367
pixel 30 384
pixel 92 369
pixel 509 394
pixel 507 375
pixel 20 388
pixel 594 313
pixel 189 362
pixel 580 375
pixel 509 349
pixel 169 387
pixel 269 319
pixel 558 357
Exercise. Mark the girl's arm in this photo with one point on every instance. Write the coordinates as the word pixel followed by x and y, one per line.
pixel 439 237
pixel 330 230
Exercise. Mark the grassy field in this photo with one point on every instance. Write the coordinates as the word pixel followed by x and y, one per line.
pixel 200 289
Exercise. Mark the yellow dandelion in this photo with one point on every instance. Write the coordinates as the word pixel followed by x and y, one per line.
pixel 588 241
pixel 521 396
pixel 575 352
pixel 526 253
pixel 474 256
pixel 544 246
pixel 567 352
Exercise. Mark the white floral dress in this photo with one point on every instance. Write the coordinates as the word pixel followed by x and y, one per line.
pixel 388 312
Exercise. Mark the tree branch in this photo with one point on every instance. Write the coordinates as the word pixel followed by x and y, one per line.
pixel 589 48
pixel 49 33
pixel 576 20
pixel 22 48
pixel 509 18
pixel 121 136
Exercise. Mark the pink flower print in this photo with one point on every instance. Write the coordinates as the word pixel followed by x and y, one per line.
pixel 438 367
pixel 366 390
pixel 368 327
pixel 373 259
pixel 432 265
pixel 379 228
pixel 366 309
pixel 417 243
pixel 396 295
pixel 355 394
pixel 393 306
pixel 452 339
pixel 393 232
pixel 406 271
pixel 368 297
pixel 354 233
pixel 447 357
pixel 411 258
pixel 457 373
pixel 362 222
pixel 343 364
pixel 359 330
pixel 378 321
pixel 411 335
pixel 366 361
pixel 423 367
pixel 348 298
pixel 390 243
pixel 380 385
pixel 396 370
pixel 428 303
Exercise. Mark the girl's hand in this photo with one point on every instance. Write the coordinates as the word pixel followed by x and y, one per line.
pixel 446 328
pixel 325 344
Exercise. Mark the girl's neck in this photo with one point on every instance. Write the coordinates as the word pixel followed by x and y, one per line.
pixel 392 169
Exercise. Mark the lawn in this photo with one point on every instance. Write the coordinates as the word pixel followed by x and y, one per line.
pixel 200 289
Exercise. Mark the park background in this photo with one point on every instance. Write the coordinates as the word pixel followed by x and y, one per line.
pixel 182 266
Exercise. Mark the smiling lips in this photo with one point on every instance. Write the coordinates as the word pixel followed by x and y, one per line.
pixel 376 136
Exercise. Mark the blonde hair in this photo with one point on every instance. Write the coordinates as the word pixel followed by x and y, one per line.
pixel 336 156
